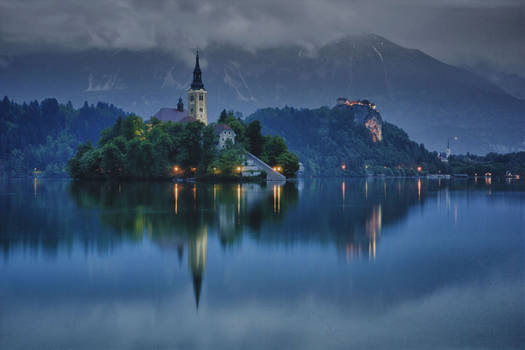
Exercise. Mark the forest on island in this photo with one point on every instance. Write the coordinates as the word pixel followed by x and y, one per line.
pixel 134 149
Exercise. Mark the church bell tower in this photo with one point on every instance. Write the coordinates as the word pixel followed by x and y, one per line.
pixel 197 106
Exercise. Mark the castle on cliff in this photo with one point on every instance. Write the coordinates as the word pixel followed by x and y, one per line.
pixel 365 113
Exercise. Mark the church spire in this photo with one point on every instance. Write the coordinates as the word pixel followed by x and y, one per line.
pixel 180 105
pixel 197 75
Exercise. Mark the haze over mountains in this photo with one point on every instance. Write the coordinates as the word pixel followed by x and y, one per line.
pixel 431 100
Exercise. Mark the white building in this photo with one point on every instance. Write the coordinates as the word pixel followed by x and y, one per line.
pixel 225 134
pixel 250 168
pixel 444 156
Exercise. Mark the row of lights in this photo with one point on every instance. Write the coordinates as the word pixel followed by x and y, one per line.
pixel 176 169
pixel 343 167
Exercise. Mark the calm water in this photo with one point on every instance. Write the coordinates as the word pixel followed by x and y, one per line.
pixel 321 264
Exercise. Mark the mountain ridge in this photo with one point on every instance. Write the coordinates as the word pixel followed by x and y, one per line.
pixel 433 101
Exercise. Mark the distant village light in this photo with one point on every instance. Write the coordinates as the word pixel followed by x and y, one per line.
pixel 343 166
pixel 175 168
pixel 419 168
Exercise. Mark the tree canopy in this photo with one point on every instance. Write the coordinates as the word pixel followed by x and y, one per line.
pixel 135 149
pixel 45 135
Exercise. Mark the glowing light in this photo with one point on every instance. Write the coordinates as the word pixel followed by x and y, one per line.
pixel 176 196
pixel 239 168
pixel 239 199
pixel 274 198
pixel 214 195
pixel 175 169
pixel 343 166
pixel 278 199
pixel 35 182
pixel 419 168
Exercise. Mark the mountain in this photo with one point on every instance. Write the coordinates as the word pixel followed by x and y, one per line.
pixel 431 100
pixel 511 83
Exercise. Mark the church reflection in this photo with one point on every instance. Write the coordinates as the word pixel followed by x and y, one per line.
pixel 197 250
pixel 349 214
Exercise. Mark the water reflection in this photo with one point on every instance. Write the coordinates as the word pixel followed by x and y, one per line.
pixel 341 256
pixel 271 213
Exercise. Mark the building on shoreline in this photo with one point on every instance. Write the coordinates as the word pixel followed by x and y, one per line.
pixel 444 156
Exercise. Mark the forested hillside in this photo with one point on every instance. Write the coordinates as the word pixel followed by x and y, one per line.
pixel 45 135
pixel 329 142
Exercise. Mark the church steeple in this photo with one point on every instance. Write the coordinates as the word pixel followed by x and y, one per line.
pixel 197 106
pixel 197 75
pixel 180 105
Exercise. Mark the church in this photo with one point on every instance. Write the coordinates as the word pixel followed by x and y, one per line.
pixel 197 105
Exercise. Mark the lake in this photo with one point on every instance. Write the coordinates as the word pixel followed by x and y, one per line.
pixel 317 264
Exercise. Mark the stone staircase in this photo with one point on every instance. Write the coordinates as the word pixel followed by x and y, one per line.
pixel 271 175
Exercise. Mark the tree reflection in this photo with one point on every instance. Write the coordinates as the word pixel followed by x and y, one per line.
pixel 51 217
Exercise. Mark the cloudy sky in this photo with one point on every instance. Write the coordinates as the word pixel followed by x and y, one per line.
pixel 457 31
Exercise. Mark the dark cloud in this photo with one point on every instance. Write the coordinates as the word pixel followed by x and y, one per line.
pixel 459 31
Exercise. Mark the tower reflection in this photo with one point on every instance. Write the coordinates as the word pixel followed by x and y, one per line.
pixel 182 217
pixel 197 251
